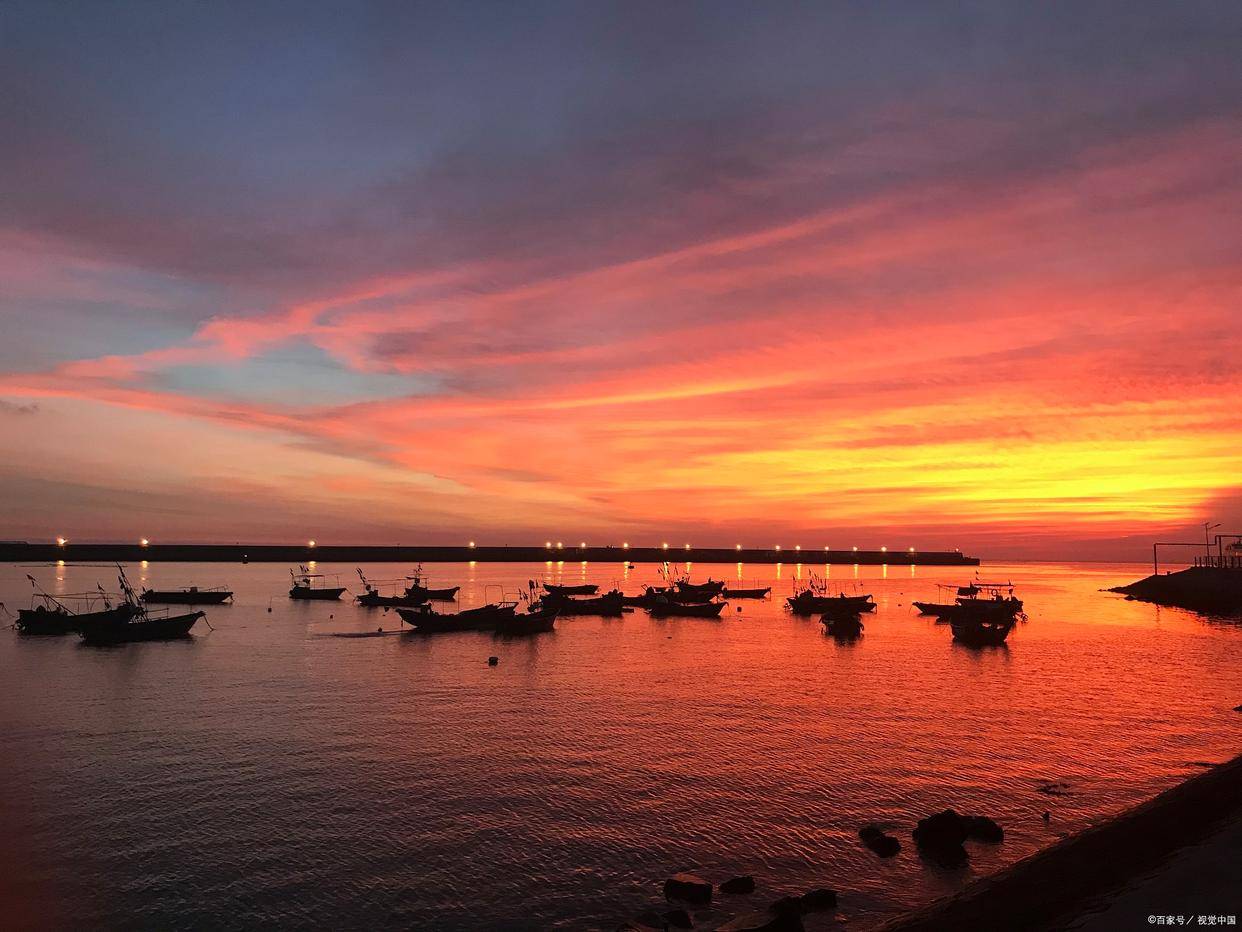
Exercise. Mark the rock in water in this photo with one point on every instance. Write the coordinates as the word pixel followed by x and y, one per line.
pixel 877 840
pixel 816 901
pixel 738 886
pixel 981 828
pixel 940 836
pixel 689 888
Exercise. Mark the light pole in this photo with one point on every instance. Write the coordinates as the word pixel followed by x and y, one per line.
pixel 1207 541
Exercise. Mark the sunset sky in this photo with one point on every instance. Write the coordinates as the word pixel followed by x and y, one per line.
pixel 928 275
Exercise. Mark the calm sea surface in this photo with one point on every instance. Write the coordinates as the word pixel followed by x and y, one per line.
pixel 266 773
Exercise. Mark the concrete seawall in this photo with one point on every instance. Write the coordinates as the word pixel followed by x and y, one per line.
pixel 18 552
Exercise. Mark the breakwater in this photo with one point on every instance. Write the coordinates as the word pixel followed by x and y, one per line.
pixel 21 551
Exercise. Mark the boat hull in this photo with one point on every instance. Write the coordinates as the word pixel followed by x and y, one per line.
pixel 186 596
pixel 433 595
pixel 747 593
pixel 807 604
pixel 147 629
pixel 375 600
pixel 982 633
pixel 43 623
pixel 681 610
pixel 537 622
pixel 303 594
pixel 570 590
pixel 486 618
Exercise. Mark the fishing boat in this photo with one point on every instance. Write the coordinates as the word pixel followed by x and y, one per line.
pixel 138 624
pixel 747 593
pixel 426 620
pixel 187 595
pixel 610 603
pixel 372 598
pixel 536 621
pixel 553 589
pixel 710 588
pixel 669 609
pixel 308 586
pixel 418 588
pixel 50 615
pixel 981 632
pixel 809 602
pixel 843 626
pixel 988 598
pixel 142 627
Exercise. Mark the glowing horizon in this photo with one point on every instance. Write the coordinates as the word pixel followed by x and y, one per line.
pixel 986 305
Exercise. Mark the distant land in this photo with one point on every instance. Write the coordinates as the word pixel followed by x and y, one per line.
pixel 19 551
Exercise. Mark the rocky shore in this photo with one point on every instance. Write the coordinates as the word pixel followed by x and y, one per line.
pixel 1056 887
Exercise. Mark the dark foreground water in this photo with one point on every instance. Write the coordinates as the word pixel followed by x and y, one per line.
pixel 264 773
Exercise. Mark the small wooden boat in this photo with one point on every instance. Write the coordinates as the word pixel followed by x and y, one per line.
pixel 843 626
pixel 669 609
pixel 53 620
pixel 308 586
pixel 712 587
pixel 939 609
pixel 535 621
pixel 747 593
pixel 808 602
pixel 687 597
pixel 981 632
pixel 372 598
pixel 426 620
pixel 141 627
pixel 610 603
pixel 570 590
pixel 187 595
pixel 419 588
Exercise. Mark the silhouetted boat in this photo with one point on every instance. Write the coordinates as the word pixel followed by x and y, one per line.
pixel 51 616
pixel 485 618
pixel 843 625
pixel 747 593
pixel 419 588
pixel 305 587
pixel 570 590
pixel 711 588
pixel 668 609
pixel 809 602
pixel 187 595
pixel 138 624
pixel 996 605
pixel 371 598
pixel 610 603
pixel 536 621
pixel 979 632
pixel 139 628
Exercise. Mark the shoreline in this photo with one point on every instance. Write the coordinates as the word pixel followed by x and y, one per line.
pixel 21 551
pixel 1055 887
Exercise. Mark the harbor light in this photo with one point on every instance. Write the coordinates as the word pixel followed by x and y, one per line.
pixel 778 548
pixel 472 545
pixel 559 545
pixel 625 546
pixel 582 546
pixel 61 541
pixel 797 546
pixel 687 546
pixel 883 550
pixel 144 543
pixel 856 550
pixel 310 543
pixel 548 545
pixel 666 545
pixel 739 546
pixel 912 550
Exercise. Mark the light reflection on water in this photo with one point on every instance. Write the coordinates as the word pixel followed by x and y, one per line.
pixel 264 774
